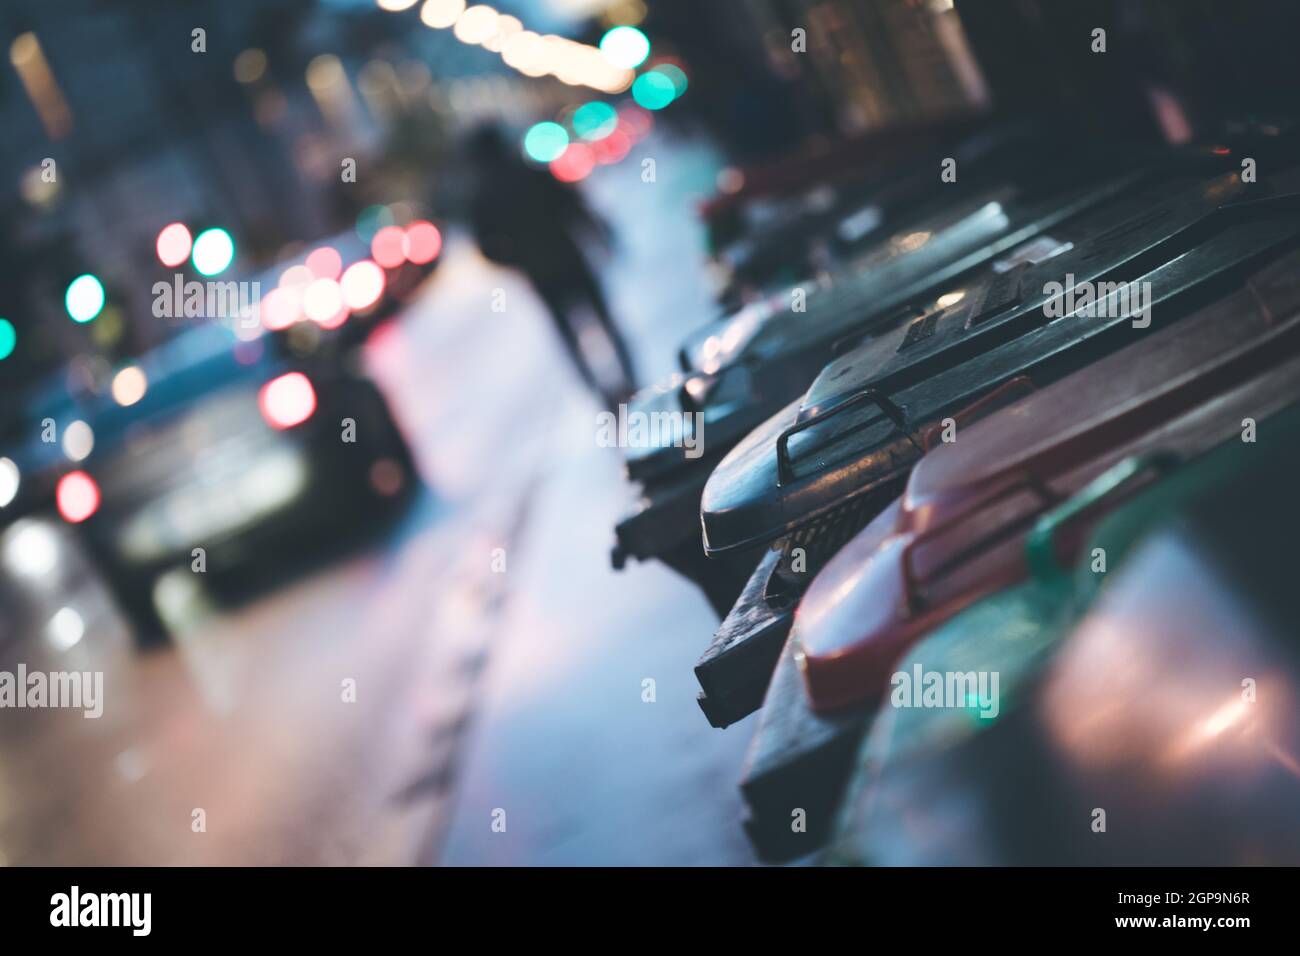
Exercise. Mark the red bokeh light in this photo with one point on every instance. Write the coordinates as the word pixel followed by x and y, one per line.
pixel 296 276
pixel 634 121
pixel 423 242
pixel 386 477
pixel 613 148
pixel 576 162
pixel 174 244
pixel 387 248
pixel 287 400
pixel 77 496
pixel 325 263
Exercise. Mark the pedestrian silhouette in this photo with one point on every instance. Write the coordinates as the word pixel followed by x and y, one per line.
pixel 524 218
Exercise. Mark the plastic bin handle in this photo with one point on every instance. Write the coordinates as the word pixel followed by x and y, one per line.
pixel 868 396
pixel 998 488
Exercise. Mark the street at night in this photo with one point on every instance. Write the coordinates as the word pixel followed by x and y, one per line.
pixel 460 670
pixel 790 436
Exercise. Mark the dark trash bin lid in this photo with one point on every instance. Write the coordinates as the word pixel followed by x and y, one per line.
pixel 860 423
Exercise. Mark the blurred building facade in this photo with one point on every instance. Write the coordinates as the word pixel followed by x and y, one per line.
pixel 772 73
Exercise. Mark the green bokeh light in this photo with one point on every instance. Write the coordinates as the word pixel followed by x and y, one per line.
pixel 213 252
pixel 625 47
pixel 8 339
pixel 545 141
pixel 370 220
pixel 595 120
pixel 84 299
pixel 653 90
pixel 676 75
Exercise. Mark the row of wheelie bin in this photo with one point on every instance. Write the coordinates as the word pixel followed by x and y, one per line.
pixel 995 503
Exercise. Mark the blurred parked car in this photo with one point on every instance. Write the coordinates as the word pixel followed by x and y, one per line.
pixel 237 456
pixel 242 441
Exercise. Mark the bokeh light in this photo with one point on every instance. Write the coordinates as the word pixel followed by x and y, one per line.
pixel 325 263
pixel 8 339
pixel 246 325
pixel 78 440
pixel 362 285
pixel 532 54
pixel 387 248
pixel 576 163
pixel 9 481
pixel 85 298
pixel 213 252
pixel 526 52
pixel 370 220
pixel 506 27
pixel 730 180
pixel 31 549
pixel 129 385
pixel 296 277
pixel 174 244
pixel 401 212
pixel 288 400
pixel 441 14
pixel 387 477
pixel 676 75
pixel 422 242
pixel 635 121
pixel 478 24
pixel 282 307
pixel 250 65
pixel 545 142
pixel 36 188
pixel 322 301
pixel 625 47
pixel 339 317
pixel 595 120
pixel 653 90
pixel 613 148
pixel 77 496
pixel 65 629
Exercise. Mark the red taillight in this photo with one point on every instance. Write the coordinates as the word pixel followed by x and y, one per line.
pixel 77 496
pixel 287 401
